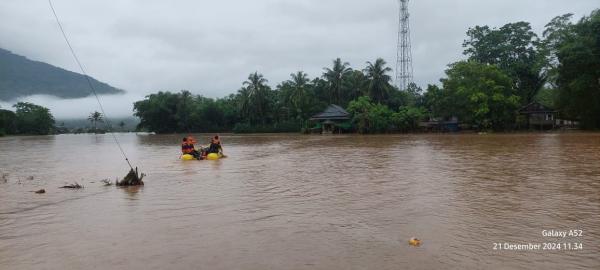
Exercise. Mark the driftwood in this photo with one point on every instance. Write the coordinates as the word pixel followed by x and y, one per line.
pixel 73 186
pixel 133 178
pixel 41 191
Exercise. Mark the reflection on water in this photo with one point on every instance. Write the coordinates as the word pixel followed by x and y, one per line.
pixel 301 202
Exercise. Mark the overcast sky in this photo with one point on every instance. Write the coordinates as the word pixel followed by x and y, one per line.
pixel 210 47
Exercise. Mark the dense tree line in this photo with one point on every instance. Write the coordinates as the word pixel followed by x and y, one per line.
pixel 576 48
pixel 28 119
pixel 478 94
pixel 511 66
pixel 506 68
pixel 256 107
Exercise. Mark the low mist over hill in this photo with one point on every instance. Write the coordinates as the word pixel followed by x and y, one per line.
pixel 129 123
pixel 20 77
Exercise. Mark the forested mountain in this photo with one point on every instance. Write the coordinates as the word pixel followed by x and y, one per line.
pixel 21 77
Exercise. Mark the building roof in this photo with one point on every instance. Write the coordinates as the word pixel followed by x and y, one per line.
pixel 535 107
pixel 333 112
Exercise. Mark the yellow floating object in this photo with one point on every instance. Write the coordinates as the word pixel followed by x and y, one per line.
pixel 414 242
pixel 187 157
pixel 212 156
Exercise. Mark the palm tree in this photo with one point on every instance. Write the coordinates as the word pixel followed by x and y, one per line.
pixel 184 110
pixel 244 101
pixel 378 81
pixel 335 77
pixel 355 85
pixel 122 125
pixel 95 117
pixel 257 95
pixel 299 84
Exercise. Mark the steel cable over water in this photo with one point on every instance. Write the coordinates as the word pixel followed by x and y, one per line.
pixel 108 124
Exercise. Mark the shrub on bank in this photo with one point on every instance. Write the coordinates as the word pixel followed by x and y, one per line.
pixel 370 117
pixel 28 118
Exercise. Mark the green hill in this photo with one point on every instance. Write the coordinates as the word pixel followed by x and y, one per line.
pixel 21 77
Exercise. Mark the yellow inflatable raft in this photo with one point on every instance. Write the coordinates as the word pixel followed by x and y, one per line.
pixel 211 156
pixel 187 157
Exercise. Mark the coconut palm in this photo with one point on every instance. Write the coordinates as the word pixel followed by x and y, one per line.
pixel 299 84
pixel 378 85
pixel 356 85
pixel 243 101
pixel 122 125
pixel 256 91
pixel 95 117
pixel 335 78
pixel 184 110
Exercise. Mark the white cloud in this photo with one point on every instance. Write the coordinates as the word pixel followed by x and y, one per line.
pixel 116 106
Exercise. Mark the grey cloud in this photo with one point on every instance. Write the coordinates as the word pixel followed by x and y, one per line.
pixel 209 47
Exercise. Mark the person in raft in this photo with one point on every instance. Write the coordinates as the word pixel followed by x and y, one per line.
pixel 215 145
pixel 187 147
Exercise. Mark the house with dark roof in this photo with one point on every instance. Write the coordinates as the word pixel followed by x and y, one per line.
pixel 334 119
pixel 443 124
pixel 539 116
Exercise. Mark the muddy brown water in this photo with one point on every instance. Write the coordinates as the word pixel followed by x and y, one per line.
pixel 302 202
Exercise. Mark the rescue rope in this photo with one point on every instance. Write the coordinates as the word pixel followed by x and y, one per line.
pixel 107 120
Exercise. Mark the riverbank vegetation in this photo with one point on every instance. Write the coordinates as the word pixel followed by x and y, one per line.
pixel 505 69
pixel 28 119
pixel 256 107
pixel 32 119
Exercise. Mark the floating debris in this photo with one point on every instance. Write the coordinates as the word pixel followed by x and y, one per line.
pixel 73 186
pixel 106 182
pixel 30 177
pixel 414 242
pixel 5 177
pixel 133 178
pixel 41 191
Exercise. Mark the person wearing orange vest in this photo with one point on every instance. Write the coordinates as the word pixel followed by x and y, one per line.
pixel 187 147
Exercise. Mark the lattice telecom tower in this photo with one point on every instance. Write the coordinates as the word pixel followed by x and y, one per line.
pixel 404 70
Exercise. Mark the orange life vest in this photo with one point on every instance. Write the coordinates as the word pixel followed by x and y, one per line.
pixel 187 148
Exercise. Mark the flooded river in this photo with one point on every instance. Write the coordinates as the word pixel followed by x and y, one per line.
pixel 302 202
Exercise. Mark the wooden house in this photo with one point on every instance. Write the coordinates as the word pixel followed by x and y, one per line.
pixel 334 119
pixel 538 116
pixel 448 124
